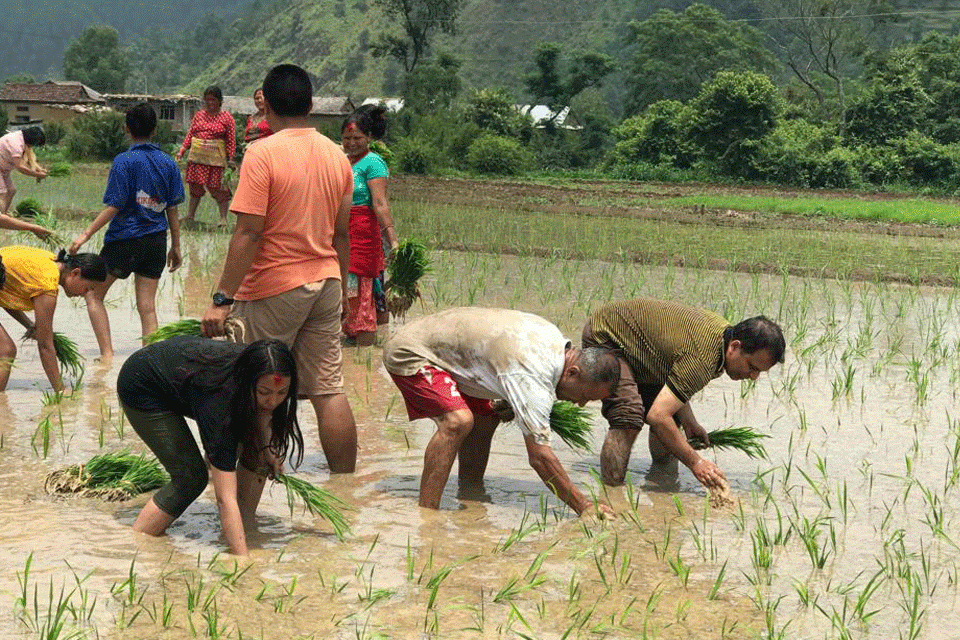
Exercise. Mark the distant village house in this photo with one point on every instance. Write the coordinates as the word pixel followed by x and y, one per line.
pixel 51 101
pixel 327 113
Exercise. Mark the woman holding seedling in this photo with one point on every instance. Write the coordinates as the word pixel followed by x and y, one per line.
pixel 370 221
pixel 209 144
pixel 244 401
pixel 15 153
pixel 29 281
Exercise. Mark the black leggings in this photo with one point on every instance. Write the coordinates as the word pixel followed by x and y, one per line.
pixel 169 437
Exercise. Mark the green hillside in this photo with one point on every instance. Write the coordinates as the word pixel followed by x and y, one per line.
pixel 34 35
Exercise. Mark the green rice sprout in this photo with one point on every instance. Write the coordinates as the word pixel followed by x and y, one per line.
pixel 571 422
pixel 60 170
pixel 381 149
pixel 68 355
pixel 317 501
pixel 744 439
pixel 410 262
pixel 29 208
pixel 184 327
pixel 111 476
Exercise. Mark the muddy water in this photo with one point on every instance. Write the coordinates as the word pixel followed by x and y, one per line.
pixel 861 463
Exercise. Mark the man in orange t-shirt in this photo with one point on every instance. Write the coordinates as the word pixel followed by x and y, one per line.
pixel 286 267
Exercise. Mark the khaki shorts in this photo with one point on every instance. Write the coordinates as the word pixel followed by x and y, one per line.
pixel 307 319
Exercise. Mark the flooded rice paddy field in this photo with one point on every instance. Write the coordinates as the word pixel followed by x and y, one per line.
pixel 848 530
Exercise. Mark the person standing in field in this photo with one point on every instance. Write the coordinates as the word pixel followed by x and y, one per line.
pixel 370 221
pixel 211 142
pixel 143 191
pixel 13 156
pixel 30 279
pixel 257 125
pixel 669 352
pixel 450 365
pixel 286 266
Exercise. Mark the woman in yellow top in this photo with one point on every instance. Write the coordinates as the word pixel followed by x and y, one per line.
pixel 29 281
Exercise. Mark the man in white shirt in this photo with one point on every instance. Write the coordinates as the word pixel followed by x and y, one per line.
pixel 450 366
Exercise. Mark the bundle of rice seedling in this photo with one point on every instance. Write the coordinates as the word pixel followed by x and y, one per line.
pixel 743 438
pixel 409 263
pixel 110 476
pixel 60 170
pixel 184 327
pixel 381 149
pixel 29 208
pixel 317 501
pixel 571 423
pixel 70 359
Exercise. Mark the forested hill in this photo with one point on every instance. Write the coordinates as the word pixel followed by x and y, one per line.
pixel 496 38
pixel 35 33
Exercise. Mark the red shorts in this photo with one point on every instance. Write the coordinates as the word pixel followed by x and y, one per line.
pixel 431 392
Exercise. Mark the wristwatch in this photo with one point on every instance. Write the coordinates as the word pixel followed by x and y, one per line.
pixel 220 300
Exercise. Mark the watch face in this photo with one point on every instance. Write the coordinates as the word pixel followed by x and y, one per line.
pixel 219 299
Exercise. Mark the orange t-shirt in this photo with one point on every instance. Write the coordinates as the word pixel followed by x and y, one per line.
pixel 296 179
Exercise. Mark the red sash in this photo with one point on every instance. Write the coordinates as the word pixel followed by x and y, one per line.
pixel 366 248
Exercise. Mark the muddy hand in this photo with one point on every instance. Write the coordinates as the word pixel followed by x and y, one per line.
pixel 708 473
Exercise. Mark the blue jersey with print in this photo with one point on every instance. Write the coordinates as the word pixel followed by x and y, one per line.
pixel 143 182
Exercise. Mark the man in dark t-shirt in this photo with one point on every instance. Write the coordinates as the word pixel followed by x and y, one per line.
pixel 669 352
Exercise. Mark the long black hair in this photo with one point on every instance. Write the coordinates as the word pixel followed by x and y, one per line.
pixel 371 119
pixel 3 273
pixel 91 265
pixel 219 368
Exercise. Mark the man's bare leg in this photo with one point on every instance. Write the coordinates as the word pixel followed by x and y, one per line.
pixel 338 431
pixel 615 455
pixel 452 429
pixel 475 449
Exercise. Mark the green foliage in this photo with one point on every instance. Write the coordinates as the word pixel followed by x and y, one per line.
pixel 926 161
pixel 111 476
pixel 409 263
pixel 742 439
pixel 96 60
pixel 550 86
pixel 676 53
pixel 54 132
pixel 414 156
pixel 421 20
pixel 731 115
pixel 498 155
pixel 3 121
pixel 660 136
pixel 97 135
pixel 572 424
pixel 433 85
pixel 29 208
pixel 793 154
pixel 492 110
pixel 317 501
pixel 71 362
pixel 894 104
pixel 184 327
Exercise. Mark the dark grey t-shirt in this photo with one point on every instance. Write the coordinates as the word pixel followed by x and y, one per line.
pixel 157 378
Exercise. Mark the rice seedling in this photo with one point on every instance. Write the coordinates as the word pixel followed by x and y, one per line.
pixel 29 208
pixel 71 362
pixel 317 501
pixel 410 262
pixel 60 170
pixel 184 327
pixel 570 422
pixel 743 439
pixel 110 476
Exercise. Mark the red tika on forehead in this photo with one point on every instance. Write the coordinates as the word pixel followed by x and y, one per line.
pixel 277 379
pixel 352 126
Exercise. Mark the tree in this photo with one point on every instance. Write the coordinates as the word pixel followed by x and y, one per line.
pixel 420 19
pixel 731 115
pixel 548 84
pixel 433 85
pixel 823 38
pixel 493 110
pixel 96 60
pixel 675 53
pixel 894 104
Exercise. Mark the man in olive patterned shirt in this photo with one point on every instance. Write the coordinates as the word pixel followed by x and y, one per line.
pixel 669 352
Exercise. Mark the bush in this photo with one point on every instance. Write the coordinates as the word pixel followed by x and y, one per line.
pixel 880 165
pixel 497 155
pixel 54 132
pixel 837 169
pixel 658 136
pixel 98 135
pixel 3 121
pixel 792 153
pixel 492 110
pixel 926 161
pixel 414 156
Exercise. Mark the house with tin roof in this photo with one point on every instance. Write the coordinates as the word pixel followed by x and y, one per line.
pixel 327 112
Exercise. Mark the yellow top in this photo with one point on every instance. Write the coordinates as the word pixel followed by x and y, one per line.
pixel 30 272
